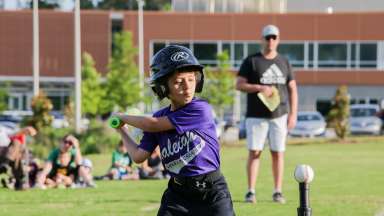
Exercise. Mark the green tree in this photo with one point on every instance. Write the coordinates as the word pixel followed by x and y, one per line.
pixel 339 114
pixel 91 90
pixel 117 4
pixel 132 5
pixel 122 87
pixel 46 4
pixel 156 5
pixel 3 98
pixel 219 87
pixel 86 4
pixel 41 107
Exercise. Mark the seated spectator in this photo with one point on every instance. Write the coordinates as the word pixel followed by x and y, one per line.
pixel 87 171
pixel 121 168
pixel 152 168
pixel 63 166
pixel 14 156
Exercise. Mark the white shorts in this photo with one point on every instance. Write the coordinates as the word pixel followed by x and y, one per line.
pixel 259 129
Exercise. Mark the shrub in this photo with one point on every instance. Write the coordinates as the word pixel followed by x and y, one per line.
pixel 339 114
pixel 41 107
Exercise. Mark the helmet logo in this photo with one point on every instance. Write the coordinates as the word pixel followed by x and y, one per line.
pixel 179 56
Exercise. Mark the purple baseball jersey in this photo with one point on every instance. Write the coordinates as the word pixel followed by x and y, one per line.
pixel 192 148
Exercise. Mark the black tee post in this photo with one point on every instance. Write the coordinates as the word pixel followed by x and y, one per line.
pixel 304 208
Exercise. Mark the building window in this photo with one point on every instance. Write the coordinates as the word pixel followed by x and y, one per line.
pixel 206 53
pixel 368 55
pixel 239 54
pixel 373 101
pixel 311 57
pixel 253 48
pixel 157 47
pixel 332 55
pixel 294 53
pixel 58 101
pixel 117 27
pixel 180 44
pixel 300 55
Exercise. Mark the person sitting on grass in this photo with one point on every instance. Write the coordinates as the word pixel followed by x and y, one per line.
pixel 63 166
pixel 87 167
pixel 13 157
pixel 121 168
pixel 152 168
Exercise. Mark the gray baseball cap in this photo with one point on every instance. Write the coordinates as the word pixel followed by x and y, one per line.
pixel 270 30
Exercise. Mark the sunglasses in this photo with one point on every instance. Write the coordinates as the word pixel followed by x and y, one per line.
pixel 269 37
pixel 68 142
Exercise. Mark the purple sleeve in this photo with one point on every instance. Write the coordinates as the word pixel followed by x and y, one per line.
pixel 197 115
pixel 148 142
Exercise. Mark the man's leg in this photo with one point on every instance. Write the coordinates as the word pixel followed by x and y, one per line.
pixel 277 139
pixel 253 168
pixel 278 169
pixel 257 131
pixel 252 173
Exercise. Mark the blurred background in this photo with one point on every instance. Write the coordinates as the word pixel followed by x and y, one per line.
pixel 331 44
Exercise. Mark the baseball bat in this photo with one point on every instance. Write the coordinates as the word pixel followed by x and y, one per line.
pixel 114 122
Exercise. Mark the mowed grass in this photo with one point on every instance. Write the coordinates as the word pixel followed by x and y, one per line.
pixel 349 181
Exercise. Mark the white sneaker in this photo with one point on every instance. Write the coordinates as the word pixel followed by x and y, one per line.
pixel 40 186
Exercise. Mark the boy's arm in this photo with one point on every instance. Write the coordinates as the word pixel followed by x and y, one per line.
pixel 137 154
pixel 146 123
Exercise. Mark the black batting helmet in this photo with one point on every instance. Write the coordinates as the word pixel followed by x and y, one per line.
pixel 169 60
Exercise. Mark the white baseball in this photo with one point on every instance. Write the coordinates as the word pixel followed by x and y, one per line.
pixel 304 173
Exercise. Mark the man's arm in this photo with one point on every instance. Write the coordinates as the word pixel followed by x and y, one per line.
pixel 146 123
pixel 243 85
pixel 137 154
pixel 293 101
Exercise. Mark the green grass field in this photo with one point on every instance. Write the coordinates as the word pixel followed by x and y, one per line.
pixel 348 182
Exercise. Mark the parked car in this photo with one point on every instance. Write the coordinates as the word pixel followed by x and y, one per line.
pixel 242 129
pixel 10 118
pixel 309 124
pixel 59 120
pixel 364 120
pixel 9 122
pixel 9 127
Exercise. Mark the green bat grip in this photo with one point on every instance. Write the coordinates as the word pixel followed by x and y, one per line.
pixel 114 122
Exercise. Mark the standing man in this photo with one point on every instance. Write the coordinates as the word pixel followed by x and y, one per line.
pixel 263 73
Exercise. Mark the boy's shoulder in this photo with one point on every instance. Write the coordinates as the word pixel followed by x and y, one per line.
pixel 199 102
pixel 162 112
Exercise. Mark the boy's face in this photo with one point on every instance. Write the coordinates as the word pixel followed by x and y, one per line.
pixel 182 87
